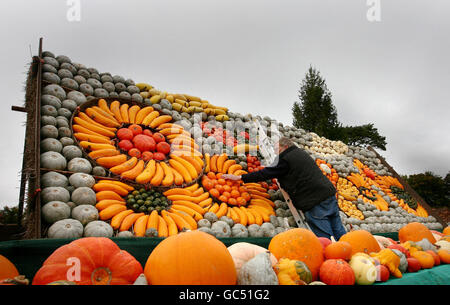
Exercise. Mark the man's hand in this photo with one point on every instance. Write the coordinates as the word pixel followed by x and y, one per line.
pixel 231 177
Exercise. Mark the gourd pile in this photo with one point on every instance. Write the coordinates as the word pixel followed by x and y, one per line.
pixel 120 158
pixel 293 257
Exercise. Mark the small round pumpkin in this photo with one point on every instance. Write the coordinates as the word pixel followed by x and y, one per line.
pixel 102 262
pixel 426 260
pixel 361 241
pixel 415 231
pixel 446 230
pixel 7 269
pixel 299 244
pixel 336 272
pixel 190 258
pixel 340 249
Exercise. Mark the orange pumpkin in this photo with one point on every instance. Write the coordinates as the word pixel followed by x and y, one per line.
pixel 337 272
pixel 361 241
pixel 190 258
pixel 299 244
pixel 340 249
pixel 425 259
pixel 444 256
pixel 89 261
pixel 415 231
pixel 7 269
pixel 446 230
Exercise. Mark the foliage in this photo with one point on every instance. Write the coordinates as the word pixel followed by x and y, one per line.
pixel 9 215
pixel 434 189
pixel 316 113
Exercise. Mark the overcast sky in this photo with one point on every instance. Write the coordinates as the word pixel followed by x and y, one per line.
pixel 251 56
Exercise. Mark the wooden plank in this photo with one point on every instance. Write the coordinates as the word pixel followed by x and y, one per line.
pixel 409 189
pixel 18 108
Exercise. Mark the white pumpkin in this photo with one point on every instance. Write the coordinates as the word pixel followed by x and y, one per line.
pixel 258 271
pixel 81 180
pixel 85 213
pixel 66 228
pixel 242 252
pixel 55 193
pixel 84 195
pixel 53 179
pixel 53 160
pixel 54 211
pixel 98 228
pixel 79 165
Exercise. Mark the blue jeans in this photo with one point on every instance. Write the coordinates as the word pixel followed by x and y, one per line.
pixel 324 219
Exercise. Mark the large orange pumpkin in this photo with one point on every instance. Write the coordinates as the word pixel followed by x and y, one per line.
pixel 415 231
pixel 299 244
pixel 361 241
pixel 190 258
pixel 7 269
pixel 100 262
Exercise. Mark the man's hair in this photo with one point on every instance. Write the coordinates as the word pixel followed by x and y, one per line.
pixel 285 142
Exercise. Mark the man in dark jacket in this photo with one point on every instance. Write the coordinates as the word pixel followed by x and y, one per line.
pixel 309 189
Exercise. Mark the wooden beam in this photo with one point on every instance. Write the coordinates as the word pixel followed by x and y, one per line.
pixel 409 189
pixel 18 108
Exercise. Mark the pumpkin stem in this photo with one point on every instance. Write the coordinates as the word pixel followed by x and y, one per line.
pixel 101 276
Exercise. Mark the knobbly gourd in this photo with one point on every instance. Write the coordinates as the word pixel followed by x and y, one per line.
pixel 292 272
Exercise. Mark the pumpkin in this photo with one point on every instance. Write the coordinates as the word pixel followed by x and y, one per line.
pixel 53 179
pixel 71 152
pixel 446 230
pixel 85 213
pixel 415 231
pixel 50 144
pixel 81 180
pixel 258 271
pixel 361 241
pixel 7 269
pixel 55 193
pixel 242 252
pixel 413 264
pixel 336 272
pixel 79 165
pixel 53 160
pixel 299 244
pixel 66 228
pixel 364 270
pixel 292 272
pixel 54 211
pixel 238 230
pixel 190 258
pixel 340 249
pixel 221 229
pixel 98 228
pixel 425 259
pixel 102 262
pixel 84 195
pixel 444 256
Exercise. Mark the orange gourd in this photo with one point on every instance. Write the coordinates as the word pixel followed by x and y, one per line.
pixel 190 258
pixel 444 256
pixel 340 249
pixel 425 259
pixel 299 244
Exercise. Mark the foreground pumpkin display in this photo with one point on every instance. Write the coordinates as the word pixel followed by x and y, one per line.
pixel 190 258
pixel 89 261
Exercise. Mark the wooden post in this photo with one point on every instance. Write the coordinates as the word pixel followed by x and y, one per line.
pixel 409 189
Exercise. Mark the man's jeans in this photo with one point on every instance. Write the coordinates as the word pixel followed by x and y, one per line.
pixel 324 219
